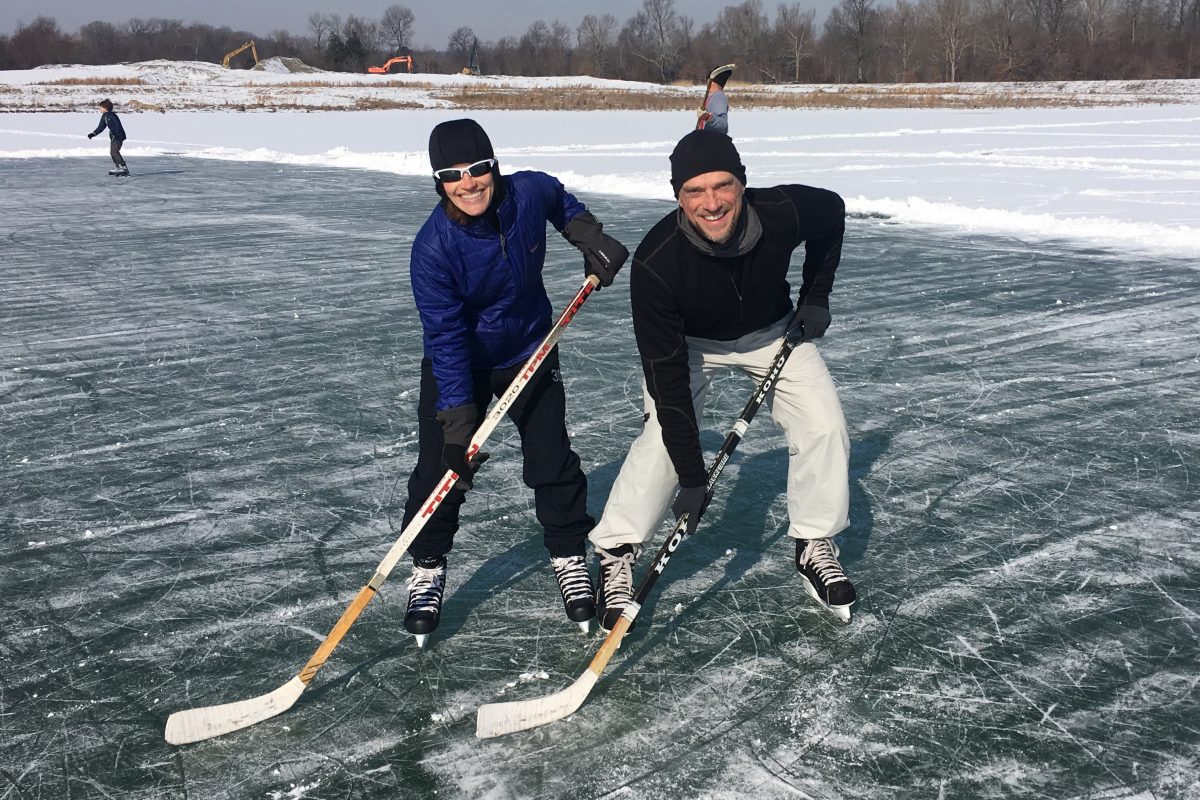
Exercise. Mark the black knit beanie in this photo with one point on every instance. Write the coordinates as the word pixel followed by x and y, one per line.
pixel 459 141
pixel 704 151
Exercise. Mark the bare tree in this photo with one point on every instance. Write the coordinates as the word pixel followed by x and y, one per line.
pixel 532 49
pixel 1000 36
pixel 595 41
pixel 854 21
pixel 100 41
pixel 657 36
pixel 949 19
pixel 1095 18
pixel 40 42
pixel 1054 16
pixel 459 45
pixel 900 25
pixel 366 31
pixel 397 27
pixel 321 26
pixel 744 29
pixel 1133 10
pixel 558 48
pixel 796 29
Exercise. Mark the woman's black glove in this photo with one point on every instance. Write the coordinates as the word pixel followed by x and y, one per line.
pixel 458 424
pixel 603 255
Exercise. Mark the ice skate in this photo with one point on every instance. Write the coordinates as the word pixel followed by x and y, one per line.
pixel 615 589
pixel 817 563
pixel 575 584
pixel 425 588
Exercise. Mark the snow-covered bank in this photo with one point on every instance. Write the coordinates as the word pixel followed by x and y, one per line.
pixel 1124 177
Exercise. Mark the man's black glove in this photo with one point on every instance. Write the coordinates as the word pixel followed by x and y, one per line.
pixel 90 135
pixel 692 502
pixel 602 254
pixel 808 323
pixel 458 424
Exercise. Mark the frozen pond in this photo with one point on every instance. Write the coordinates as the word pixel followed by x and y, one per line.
pixel 208 381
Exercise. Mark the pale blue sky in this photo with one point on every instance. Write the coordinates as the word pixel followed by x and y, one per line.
pixel 435 19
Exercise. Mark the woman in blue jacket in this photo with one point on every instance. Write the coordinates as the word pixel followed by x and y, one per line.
pixel 476 272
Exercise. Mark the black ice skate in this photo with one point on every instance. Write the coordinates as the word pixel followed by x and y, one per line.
pixel 615 590
pixel 817 563
pixel 576 586
pixel 425 588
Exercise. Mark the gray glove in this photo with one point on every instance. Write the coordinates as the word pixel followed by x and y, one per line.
pixel 458 424
pixel 602 254
pixel 691 501
pixel 808 323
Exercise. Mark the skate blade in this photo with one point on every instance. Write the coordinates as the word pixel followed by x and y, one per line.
pixel 421 639
pixel 841 612
pixel 585 626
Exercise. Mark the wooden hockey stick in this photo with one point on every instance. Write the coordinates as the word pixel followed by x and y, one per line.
pixel 497 719
pixel 196 724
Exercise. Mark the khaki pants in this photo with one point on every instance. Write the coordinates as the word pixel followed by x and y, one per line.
pixel 804 402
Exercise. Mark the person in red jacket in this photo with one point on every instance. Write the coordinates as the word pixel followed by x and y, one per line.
pixel 709 292
pixel 116 137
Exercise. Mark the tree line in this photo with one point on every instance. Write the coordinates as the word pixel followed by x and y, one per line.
pixel 861 41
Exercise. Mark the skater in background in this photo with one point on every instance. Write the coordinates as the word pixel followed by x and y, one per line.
pixel 709 291
pixel 714 114
pixel 476 271
pixel 116 136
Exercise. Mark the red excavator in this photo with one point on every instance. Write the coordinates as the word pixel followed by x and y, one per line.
pixel 392 66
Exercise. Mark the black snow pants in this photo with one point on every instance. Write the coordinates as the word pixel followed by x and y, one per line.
pixel 551 468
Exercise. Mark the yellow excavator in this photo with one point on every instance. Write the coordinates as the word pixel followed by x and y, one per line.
pixel 247 46
pixel 472 68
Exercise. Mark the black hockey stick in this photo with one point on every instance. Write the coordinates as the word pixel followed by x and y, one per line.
pixel 497 719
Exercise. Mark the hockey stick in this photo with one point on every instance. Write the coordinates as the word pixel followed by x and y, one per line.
pixel 497 719
pixel 196 724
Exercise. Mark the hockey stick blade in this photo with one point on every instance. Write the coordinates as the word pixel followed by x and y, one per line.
pixel 497 719
pixel 197 724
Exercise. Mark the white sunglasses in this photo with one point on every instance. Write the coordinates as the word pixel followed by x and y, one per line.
pixel 476 170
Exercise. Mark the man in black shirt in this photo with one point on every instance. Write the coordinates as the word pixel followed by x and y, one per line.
pixel 709 290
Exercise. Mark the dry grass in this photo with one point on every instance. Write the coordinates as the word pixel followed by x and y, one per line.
pixel 915 96
pixel 364 84
pixel 496 94
pixel 98 82
pixel 564 99
pixel 909 96
pixel 378 103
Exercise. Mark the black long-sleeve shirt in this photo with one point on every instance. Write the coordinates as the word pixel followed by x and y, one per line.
pixel 678 291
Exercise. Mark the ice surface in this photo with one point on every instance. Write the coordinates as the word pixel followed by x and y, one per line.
pixel 207 392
